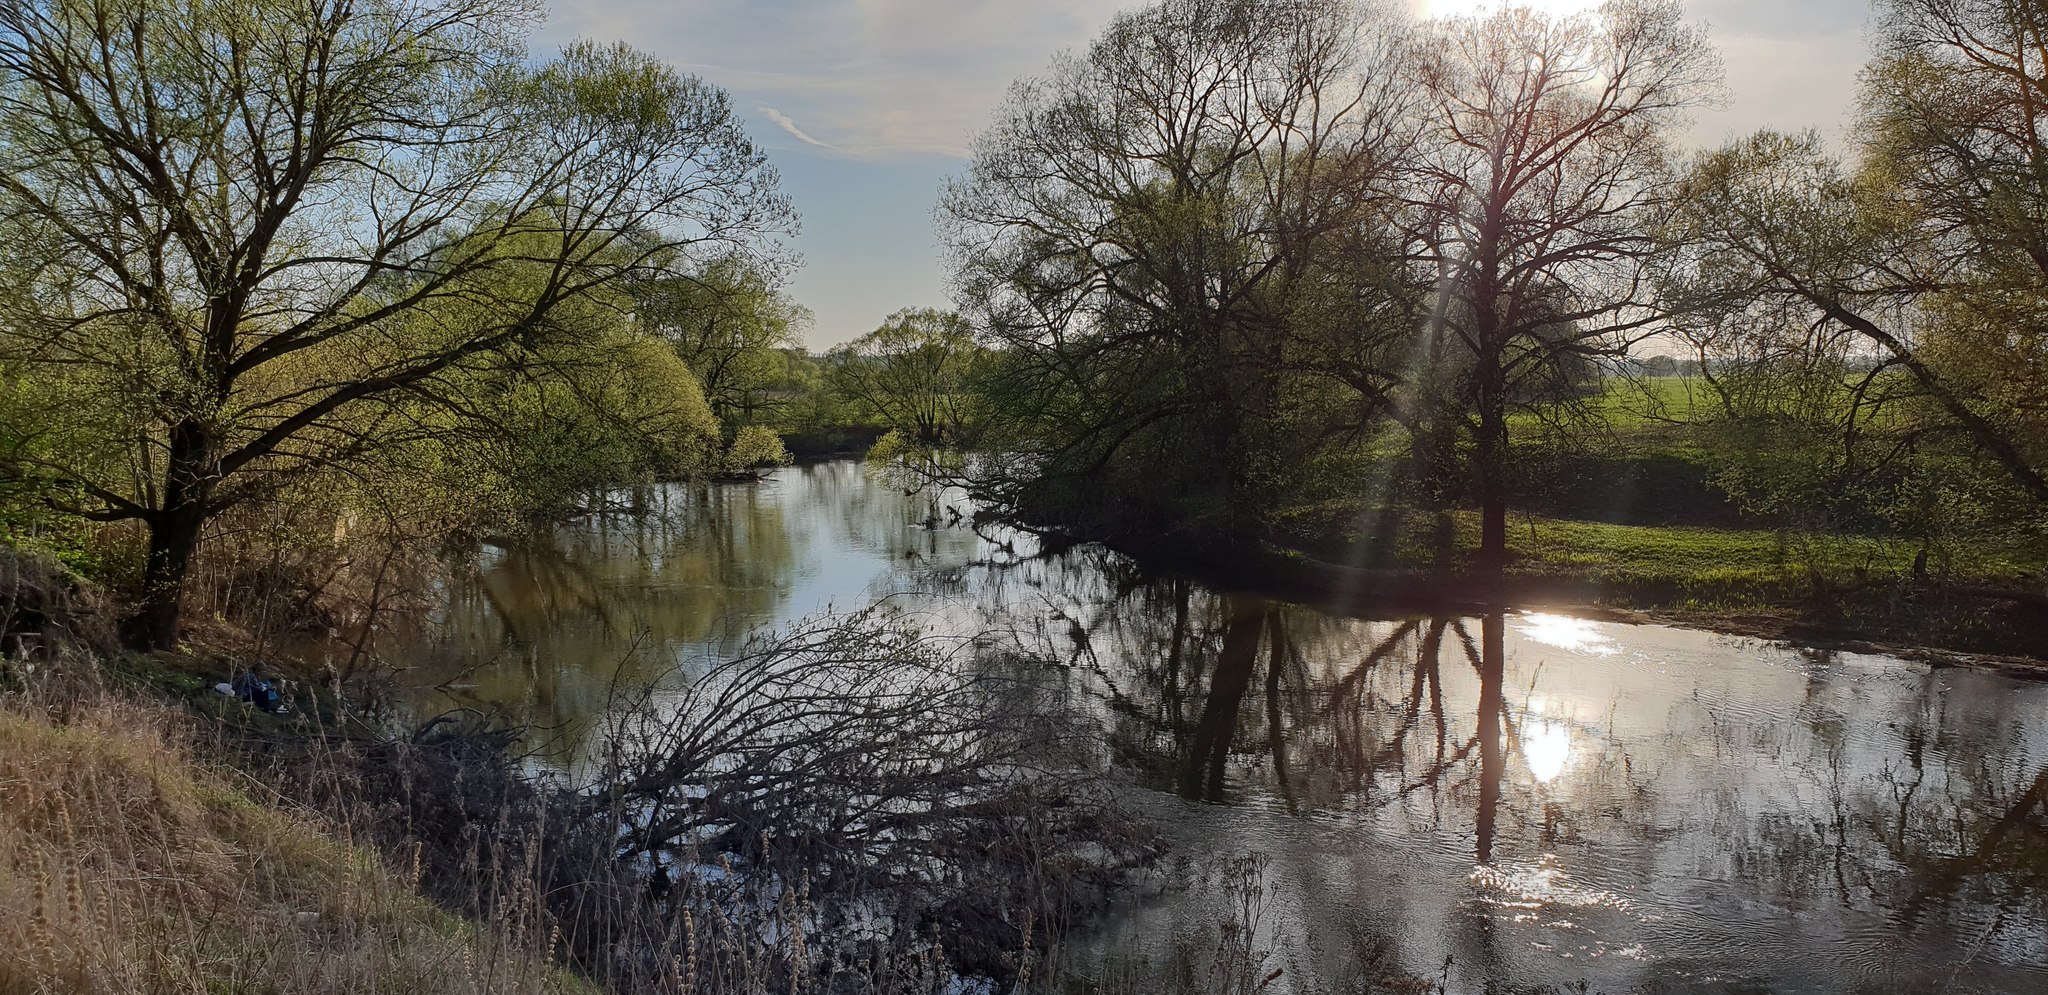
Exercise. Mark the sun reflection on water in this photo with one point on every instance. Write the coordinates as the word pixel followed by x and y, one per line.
pixel 1566 633
pixel 1542 885
pixel 1546 747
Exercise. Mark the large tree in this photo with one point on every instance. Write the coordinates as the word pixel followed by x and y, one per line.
pixel 258 226
pixel 1180 234
pixel 1535 193
pixel 730 321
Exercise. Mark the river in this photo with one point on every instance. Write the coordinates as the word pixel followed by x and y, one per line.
pixel 1514 803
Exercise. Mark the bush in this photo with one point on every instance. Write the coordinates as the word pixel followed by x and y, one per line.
pixel 754 447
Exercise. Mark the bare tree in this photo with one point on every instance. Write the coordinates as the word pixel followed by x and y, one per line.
pixel 1535 194
pixel 876 761
pixel 256 226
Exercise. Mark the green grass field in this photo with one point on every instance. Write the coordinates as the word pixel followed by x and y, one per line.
pixel 1673 566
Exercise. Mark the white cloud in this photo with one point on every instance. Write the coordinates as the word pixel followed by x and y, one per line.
pixel 790 126
pixel 890 92
pixel 1790 66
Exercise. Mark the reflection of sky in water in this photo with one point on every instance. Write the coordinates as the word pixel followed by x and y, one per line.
pixel 1673 811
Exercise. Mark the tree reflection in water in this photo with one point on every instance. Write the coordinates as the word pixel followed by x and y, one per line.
pixel 1674 823
pixel 1350 738
pixel 549 629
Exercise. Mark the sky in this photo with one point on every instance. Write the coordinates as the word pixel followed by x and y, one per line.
pixel 867 106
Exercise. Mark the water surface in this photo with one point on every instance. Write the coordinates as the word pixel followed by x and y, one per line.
pixel 1520 802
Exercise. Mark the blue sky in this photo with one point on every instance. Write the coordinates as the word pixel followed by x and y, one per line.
pixel 868 105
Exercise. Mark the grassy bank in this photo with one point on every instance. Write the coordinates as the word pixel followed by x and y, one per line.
pixel 133 865
pixel 158 837
pixel 1680 566
pixel 1983 598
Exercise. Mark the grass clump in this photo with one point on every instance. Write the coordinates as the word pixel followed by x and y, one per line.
pixel 126 866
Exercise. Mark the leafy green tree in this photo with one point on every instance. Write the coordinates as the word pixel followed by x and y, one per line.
pixel 1952 106
pixel 537 431
pixel 753 447
pixel 916 372
pixel 1933 248
pixel 242 214
pixel 731 324
pixel 1783 236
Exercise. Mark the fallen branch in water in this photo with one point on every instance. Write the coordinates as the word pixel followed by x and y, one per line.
pixel 875 761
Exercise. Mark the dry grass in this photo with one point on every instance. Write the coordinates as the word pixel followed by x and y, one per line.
pixel 126 866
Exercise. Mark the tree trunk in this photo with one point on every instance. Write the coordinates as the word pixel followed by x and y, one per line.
pixel 1203 777
pixel 1276 733
pixel 173 537
pixel 1995 441
pixel 1491 468
pixel 1492 748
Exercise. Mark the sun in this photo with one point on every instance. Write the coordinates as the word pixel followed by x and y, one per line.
pixel 1460 8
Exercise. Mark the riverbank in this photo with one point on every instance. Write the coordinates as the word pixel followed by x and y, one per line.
pixel 156 835
pixel 137 863
pixel 816 445
pixel 1854 595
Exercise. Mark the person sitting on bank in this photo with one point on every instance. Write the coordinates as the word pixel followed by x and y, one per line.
pixel 255 687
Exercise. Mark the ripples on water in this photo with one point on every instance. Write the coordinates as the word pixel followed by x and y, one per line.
pixel 1500 804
